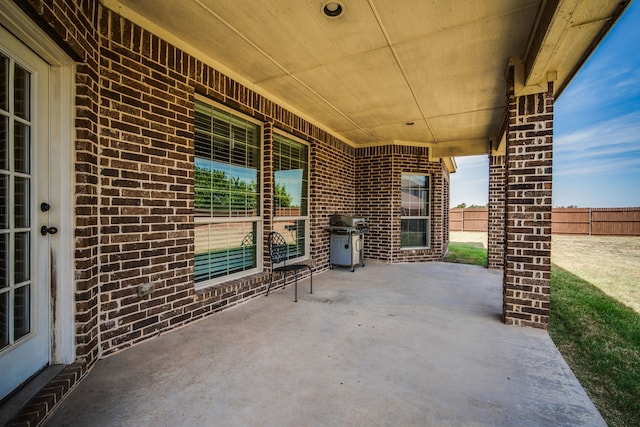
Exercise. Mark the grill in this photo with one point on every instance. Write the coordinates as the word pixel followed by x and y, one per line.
pixel 347 241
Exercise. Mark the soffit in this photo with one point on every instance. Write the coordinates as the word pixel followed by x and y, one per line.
pixel 383 63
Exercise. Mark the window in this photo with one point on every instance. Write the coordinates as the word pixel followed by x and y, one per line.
pixel 227 195
pixel 415 219
pixel 291 194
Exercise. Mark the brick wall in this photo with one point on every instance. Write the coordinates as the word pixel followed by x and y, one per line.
pixel 134 205
pixel 379 182
pixel 74 28
pixel 375 199
pixel 446 213
pixel 416 160
pixel 333 189
pixel 527 271
pixel 134 175
pixel 134 179
pixel 146 177
pixel 496 213
pixel 147 183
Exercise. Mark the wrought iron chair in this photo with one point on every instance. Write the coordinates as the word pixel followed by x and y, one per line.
pixel 247 240
pixel 278 251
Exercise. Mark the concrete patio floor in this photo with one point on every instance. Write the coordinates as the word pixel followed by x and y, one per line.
pixel 388 345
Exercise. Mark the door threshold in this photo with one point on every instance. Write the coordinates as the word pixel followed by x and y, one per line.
pixel 12 404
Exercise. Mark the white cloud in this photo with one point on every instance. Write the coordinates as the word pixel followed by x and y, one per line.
pixel 603 147
pixel 598 166
pixel 470 184
pixel 599 90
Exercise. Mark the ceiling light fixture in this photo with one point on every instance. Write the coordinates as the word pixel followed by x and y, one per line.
pixel 332 9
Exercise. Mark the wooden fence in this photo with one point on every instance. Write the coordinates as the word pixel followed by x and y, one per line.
pixel 579 221
pixel 468 219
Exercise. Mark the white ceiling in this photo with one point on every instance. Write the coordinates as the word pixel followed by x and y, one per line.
pixel 437 63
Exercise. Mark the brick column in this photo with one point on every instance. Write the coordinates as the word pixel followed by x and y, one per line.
pixel 495 241
pixel 527 271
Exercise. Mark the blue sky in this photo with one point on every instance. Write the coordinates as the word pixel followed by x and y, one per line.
pixel 596 158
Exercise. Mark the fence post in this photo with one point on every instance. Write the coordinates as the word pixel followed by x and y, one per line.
pixel 590 220
pixel 462 226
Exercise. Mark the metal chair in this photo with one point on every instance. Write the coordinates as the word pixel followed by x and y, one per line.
pixel 247 240
pixel 278 251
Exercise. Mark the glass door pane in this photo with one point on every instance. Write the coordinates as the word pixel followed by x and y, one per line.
pixel 4 320
pixel 21 312
pixel 21 92
pixel 4 142
pixel 25 287
pixel 5 65
pixel 16 311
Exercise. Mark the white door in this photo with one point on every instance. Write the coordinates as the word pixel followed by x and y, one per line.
pixel 24 251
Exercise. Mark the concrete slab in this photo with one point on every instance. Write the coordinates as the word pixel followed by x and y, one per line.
pixel 387 345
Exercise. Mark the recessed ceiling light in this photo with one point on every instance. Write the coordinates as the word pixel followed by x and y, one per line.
pixel 333 9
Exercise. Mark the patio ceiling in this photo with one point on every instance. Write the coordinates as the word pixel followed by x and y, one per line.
pixel 384 63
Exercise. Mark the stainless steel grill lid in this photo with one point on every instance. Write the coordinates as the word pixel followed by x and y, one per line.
pixel 339 220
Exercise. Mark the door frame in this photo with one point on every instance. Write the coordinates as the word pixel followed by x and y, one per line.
pixel 61 173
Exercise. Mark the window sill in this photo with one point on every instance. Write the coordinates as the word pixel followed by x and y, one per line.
pixel 227 283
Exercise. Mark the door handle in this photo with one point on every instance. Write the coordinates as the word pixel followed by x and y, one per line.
pixel 44 230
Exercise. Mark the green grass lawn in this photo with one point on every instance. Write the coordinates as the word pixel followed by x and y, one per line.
pixel 598 336
pixel 467 253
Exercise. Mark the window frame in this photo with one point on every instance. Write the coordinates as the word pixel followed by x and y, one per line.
pixel 425 218
pixel 306 218
pixel 258 220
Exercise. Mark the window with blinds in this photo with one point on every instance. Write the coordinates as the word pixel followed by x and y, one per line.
pixel 227 195
pixel 415 217
pixel 291 194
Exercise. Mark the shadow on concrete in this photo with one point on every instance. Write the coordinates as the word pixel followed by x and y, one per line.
pixel 387 345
